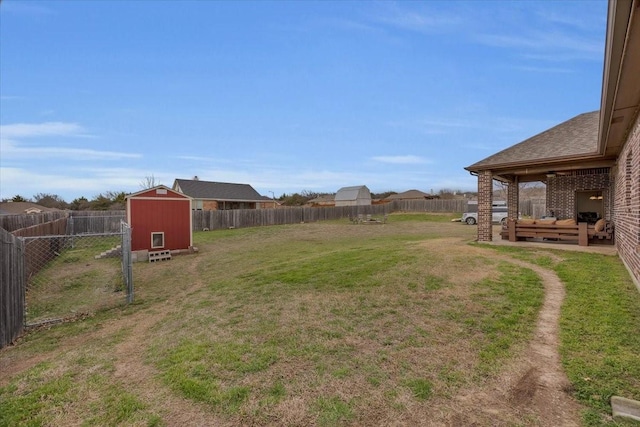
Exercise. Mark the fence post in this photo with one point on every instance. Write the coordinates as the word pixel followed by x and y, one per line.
pixel 12 288
pixel 127 262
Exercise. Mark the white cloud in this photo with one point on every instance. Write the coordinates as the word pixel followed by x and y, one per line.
pixel 11 135
pixel 400 160
pixel 548 45
pixel 12 150
pixel 486 122
pixel 71 183
pixel 25 8
pixel 28 130
pixel 545 69
pixel 583 22
pixel 421 21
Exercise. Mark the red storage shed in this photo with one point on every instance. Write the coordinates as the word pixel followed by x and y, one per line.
pixel 160 220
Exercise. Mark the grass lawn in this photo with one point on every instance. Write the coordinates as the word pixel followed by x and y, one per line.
pixel 318 324
pixel 74 282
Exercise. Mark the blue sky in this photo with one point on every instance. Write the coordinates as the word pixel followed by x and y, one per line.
pixel 95 96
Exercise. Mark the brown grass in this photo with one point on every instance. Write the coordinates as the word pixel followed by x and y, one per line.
pixel 358 345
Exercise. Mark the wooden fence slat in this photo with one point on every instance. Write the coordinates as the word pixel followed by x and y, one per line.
pixel 240 218
pixel 12 288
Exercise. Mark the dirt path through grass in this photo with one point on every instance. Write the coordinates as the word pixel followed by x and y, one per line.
pixel 534 385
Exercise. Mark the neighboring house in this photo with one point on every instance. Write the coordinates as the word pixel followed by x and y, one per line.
pixel 160 220
pixel 20 208
pixel 213 196
pixel 590 163
pixel 353 196
pixel 268 203
pixel 410 195
pixel 322 201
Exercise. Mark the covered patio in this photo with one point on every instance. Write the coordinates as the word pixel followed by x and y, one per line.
pixel 578 179
pixel 590 163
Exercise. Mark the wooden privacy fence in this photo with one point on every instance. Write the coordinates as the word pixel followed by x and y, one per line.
pixel 535 208
pixel 85 221
pixel 240 218
pixel 12 288
pixel 95 222
pixel 55 228
pixel 16 222
pixel 433 205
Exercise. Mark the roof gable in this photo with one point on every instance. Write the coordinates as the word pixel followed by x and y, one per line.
pixel 160 191
pixel 577 137
pixel 208 190
pixel 352 193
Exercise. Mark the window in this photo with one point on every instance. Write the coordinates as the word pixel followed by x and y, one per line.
pixel 157 240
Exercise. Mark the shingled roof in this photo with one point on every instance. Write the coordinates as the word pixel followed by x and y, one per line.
pixel 577 137
pixel 409 194
pixel 208 190
pixel 19 208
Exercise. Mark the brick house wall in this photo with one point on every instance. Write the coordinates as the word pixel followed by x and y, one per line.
pixel 513 196
pixel 485 206
pixel 561 191
pixel 209 205
pixel 626 212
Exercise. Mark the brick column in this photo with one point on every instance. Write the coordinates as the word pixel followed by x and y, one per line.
pixel 485 202
pixel 513 196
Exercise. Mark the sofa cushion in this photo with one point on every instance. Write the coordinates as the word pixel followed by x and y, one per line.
pixel 546 221
pixel 527 221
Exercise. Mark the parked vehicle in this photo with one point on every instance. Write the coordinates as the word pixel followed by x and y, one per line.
pixel 500 213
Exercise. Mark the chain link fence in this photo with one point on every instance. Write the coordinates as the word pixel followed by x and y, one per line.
pixel 74 275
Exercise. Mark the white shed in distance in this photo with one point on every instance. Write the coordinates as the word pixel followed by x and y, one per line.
pixel 358 195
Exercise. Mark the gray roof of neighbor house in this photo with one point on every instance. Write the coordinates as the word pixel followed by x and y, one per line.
pixel 351 193
pixel 577 137
pixel 208 190
pixel 18 208
pixel 409 194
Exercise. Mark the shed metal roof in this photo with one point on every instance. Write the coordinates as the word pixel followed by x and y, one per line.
pixel 351 193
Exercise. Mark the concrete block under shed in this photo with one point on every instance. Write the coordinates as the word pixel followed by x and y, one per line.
pixel 140 256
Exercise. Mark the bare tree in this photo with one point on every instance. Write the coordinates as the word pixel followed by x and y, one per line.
pixel 149 181
pixel 500 190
